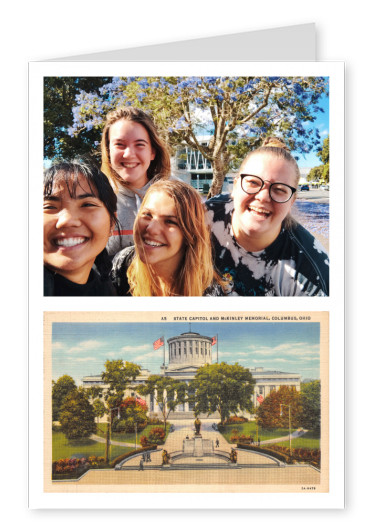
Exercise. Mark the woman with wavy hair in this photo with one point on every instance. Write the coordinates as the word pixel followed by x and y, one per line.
pixel 172 255
pixel 134 156
pixel 259 248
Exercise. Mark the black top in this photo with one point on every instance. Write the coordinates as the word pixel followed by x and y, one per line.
pixel 122 261
pixel 56 285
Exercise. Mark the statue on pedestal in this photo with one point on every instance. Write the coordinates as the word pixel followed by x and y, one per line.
pixel 197 426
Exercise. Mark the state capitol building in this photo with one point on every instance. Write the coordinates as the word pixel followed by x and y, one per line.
pixel 186 353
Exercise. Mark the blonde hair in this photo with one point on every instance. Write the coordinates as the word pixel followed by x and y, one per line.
pixel 160 167
pixel 196 271
pixel 275 147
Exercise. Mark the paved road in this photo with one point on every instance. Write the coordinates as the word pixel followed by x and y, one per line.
pixel 315 196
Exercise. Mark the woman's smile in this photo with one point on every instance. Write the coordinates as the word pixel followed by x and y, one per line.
pixel 76 230
pixel 257 219
pixel 158 236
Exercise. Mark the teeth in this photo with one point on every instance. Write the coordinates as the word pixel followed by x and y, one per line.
pixel 153 244
pixel 260 211
pixel 69 242
pixel 130 165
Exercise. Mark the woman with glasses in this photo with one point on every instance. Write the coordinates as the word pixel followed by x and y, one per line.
pixel 259 248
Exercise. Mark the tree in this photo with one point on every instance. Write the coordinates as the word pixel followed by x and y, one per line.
pixel 310 417
pixel 99 408
pixel 224 388
pixel 60 389
pixel 132 411
pixel 319 173
pixel 269 412
pixel 59 98
pixel 236 112
pixel 77 416
pixel 167 392
pixel 118 374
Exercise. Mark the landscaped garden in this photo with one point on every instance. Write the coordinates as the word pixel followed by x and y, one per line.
pixel 245 431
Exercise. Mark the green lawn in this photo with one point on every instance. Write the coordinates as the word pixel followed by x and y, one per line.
pixel 310 439
pixel 249 429
pixel 62 448
pixel 127 437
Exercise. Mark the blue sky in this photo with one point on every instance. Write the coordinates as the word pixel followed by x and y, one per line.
pixel 310 160
pixel 80 349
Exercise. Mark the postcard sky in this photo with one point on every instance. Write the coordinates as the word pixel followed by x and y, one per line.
pixel 81 349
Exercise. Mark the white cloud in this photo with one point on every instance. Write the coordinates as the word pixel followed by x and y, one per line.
pixel 149 356
pixel 139 348
pixel 81 360
pixel 58 345
pixel 90 344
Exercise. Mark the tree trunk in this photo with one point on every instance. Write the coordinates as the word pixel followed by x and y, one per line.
pixel 220 168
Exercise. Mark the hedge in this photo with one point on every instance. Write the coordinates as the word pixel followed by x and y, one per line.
pixel 118 460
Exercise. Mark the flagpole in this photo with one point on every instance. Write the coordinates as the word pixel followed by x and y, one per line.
pixel 217 347
pixel 164 353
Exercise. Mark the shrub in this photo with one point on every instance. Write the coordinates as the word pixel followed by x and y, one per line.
pixel 154 419
pixel 120 458
pixel 157 435
pixel 144 440
pixel 236 420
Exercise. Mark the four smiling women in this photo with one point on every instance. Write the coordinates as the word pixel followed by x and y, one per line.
pixel 160 229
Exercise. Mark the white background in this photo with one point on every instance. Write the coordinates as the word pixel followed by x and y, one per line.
pixel 42 30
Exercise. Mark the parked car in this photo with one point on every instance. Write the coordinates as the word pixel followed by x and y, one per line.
pixel 325 187
pixel 304 187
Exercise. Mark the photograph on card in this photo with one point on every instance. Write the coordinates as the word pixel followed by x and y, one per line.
pixel 186 402
pixel 186 186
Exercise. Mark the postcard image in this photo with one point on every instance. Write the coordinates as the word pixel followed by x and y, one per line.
pixel 134 405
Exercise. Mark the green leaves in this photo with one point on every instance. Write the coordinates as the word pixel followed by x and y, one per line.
pixel 224 388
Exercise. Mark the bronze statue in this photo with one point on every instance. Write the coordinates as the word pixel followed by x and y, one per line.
pixel 233 456
pixel 165 457
pixel 197 426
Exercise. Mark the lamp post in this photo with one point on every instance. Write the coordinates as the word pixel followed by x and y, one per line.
pixel 280 414
pixel 135 429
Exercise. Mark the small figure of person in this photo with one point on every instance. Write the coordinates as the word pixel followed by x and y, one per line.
pixel 217 443
pixel 148 457
pixel 141 465
pixel 187 436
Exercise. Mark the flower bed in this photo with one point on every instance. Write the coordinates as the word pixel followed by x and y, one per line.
pixel 73 468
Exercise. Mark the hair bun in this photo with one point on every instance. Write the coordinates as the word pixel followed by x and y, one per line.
pixel 273 141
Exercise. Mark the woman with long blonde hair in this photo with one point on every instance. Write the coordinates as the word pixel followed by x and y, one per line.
pixel 172 255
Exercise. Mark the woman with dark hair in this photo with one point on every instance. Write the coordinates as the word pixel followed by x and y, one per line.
pixel 172 254
pixel 79 212
pixel 259 248
pixel 134 157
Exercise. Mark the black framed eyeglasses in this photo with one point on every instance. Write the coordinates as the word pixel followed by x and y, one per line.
pixel 278 192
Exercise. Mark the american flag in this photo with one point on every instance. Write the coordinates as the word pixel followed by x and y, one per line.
pixel 214 340
pixel 158 343
pixel 260 399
